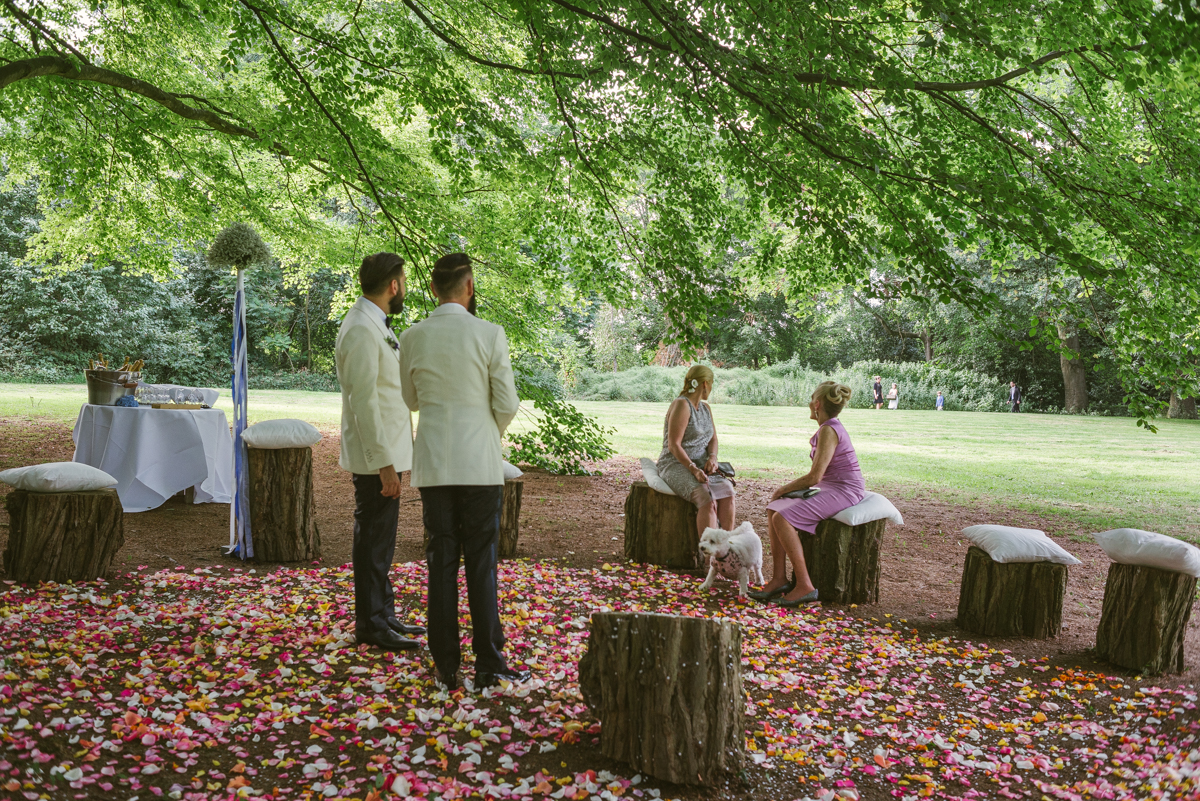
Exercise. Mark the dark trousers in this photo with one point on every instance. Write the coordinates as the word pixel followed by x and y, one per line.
pixel 375 521
pixel 1016 406
pixel 463 520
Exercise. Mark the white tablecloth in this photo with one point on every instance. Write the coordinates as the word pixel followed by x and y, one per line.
pixel 155 453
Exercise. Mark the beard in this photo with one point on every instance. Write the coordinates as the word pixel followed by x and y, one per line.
pixel 471 303
pixel 396 304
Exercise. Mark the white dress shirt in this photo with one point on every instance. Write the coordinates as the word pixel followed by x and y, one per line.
pixel 376 426
pixel 455 371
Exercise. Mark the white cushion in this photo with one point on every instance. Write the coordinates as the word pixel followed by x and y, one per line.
pixel 1006 544
pixel 650 473
pixel 282 433
pixel 1132 546
pixel 511 471
pixel 872 507
pixel 58 477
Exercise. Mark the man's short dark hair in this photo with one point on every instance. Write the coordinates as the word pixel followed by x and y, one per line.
pixel 378 270
pixel 450 272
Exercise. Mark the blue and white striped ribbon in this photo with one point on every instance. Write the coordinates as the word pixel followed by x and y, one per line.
pixel 239 511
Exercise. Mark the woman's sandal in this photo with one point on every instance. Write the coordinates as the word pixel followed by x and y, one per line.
pixel 811 598
pixel 758 595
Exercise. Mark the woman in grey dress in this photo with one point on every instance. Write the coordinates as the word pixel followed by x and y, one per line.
pixel 688 462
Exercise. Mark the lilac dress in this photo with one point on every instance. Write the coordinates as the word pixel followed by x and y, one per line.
pixel 841 487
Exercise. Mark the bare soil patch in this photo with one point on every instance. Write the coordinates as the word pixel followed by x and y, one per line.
pixel 579 522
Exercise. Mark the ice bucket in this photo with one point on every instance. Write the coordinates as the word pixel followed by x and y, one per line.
pixel 105 386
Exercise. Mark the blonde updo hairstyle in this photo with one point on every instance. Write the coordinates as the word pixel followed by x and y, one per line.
pixel 699 374
pixel 833 397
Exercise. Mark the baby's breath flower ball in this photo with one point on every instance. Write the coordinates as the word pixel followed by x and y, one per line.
pixel 238 246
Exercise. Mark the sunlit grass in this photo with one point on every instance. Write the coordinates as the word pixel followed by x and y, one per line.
pixel 1101 471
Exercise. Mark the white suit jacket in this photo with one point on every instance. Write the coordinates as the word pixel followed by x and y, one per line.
pixel 376 426
pixel 456 372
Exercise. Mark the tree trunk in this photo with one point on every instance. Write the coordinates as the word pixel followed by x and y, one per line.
pixel 843 561
pixel 307 330
pixel 283 521
pixel 927 341
pixel 660 529
pixel 1075 398
pixel 668 693
pixel 1145 617
pixel 62 536
pixel 510 520
pixel 1181 408
pixel 1021 599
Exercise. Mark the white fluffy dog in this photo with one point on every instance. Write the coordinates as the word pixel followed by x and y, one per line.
pixel 733 554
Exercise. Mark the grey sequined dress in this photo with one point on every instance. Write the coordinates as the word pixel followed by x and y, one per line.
pixel 696 437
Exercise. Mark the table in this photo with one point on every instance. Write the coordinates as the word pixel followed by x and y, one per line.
pixel 156 453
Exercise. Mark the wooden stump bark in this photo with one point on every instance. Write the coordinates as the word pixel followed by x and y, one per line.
pixel 1022 599
pixel 62 536
pixel 660 529
pixel 1145 616
pixel 283 522
pixel 668 693
pixel 510 519
pixel 843 561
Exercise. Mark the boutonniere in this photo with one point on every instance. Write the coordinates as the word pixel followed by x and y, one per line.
pixel 391 340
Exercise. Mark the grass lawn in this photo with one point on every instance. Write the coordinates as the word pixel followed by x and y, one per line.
pixel 1104 471
pixel 1101 471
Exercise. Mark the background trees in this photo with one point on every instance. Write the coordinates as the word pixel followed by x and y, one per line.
pixel 601 148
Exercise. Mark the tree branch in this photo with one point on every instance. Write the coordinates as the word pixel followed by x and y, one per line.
pixel 462 50
pixel 60 67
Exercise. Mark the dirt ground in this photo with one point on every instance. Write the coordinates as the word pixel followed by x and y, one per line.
pixel 578 521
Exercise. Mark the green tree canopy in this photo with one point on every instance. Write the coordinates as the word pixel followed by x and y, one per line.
pixel 595 140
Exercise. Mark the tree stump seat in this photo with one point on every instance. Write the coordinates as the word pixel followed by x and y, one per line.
pixel 660 529
pixel 1144 618
pixel 1021 599
pixel 510 519
pixel 668 692
pixel 62 536
pixel 283 521
pixel 843 561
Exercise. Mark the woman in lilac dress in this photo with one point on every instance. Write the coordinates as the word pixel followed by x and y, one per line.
pixel 836 474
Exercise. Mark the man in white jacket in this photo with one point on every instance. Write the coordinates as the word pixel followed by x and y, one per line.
pixel 376 446
pixel 455 371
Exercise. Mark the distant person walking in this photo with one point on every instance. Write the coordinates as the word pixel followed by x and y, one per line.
pixel 894 396
pixel 877 390
pixel 941 402
pixel 1014 396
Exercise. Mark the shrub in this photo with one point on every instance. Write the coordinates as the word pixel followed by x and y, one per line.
pixel 791 384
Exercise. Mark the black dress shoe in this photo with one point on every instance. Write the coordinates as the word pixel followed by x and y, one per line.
pixel 485 680
pixel 766 596
pixel 388 641
pixel 448 681
pixel 403 628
